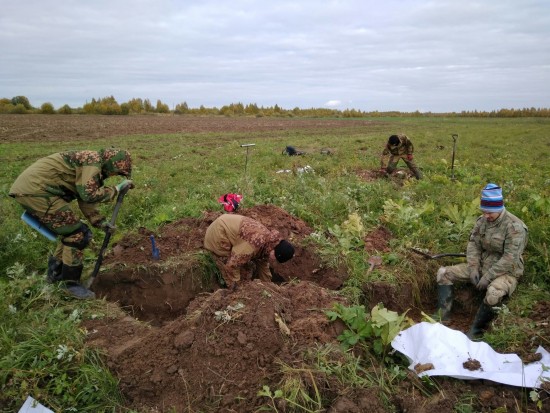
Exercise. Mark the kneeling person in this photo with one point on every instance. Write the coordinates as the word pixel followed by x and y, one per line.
pixel 239 243
pixel 494 256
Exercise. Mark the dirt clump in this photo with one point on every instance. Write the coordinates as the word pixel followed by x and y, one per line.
pixel 472 364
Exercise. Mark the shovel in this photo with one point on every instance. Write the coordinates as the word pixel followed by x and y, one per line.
pixel 436 256
pixel 107 238
pixel 374 261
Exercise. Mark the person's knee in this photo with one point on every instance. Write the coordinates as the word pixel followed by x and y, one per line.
pixel 494 296
pixel 443 276
pixel 79 239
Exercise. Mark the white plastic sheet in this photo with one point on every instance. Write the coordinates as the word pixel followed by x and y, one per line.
pixel 32 406
pixel 448 349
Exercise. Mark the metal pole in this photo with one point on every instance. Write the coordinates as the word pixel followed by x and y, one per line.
pixel 455 137
pixel 247 146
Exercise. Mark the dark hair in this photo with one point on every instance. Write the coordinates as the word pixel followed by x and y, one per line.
pixel 394 140
pixel 284 251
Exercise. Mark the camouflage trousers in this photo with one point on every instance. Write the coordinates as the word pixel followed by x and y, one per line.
pixel 56 214
pixel 500 287
pixel 393 161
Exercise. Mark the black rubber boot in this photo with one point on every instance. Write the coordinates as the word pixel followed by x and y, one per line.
pixel 444 302
pixel 484 315
pixel 71 277
pixel 55 267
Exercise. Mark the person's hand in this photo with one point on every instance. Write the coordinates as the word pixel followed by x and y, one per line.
pixel 474 276
pixel 107 227
pixel 483 283
pixel 124 184
pixel 410 157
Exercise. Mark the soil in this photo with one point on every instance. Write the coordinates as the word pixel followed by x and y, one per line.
pixel 179 342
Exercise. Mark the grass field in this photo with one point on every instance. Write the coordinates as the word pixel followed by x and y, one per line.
pixel 182 174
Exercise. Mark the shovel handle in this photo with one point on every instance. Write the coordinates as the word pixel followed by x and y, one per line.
pixel 107 237
pixel 436 256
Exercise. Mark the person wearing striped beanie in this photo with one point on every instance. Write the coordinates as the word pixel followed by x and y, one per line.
pixel 491 199
pixel 494 259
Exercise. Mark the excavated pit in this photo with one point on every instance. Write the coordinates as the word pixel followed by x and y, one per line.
pixel 160 290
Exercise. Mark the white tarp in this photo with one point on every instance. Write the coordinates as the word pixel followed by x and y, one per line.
pixel 448 349
pixel 32 406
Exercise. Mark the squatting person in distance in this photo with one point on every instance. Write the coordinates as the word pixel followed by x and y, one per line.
pixel 399 147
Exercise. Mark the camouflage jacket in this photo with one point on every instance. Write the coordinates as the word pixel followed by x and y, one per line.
pixel 496 248
pixel 68 175
pixel 405 147
pixel 241 240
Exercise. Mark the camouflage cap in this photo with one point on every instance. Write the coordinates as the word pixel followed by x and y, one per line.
pixel 116 162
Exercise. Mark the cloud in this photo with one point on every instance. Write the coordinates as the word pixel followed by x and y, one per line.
pixel 438 55
pixel 333 103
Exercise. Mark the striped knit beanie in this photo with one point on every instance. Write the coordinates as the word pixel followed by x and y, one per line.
pixel 491 198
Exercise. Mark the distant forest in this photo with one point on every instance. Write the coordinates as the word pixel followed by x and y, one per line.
pixel 136 106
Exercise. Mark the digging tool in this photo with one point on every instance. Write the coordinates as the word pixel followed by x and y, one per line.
pixel 455 137
pixel 155 250
pixel 374 261
pixel 247 146
pixel 107 238
pixel 436 256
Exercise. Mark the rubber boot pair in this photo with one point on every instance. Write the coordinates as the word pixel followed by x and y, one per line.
pixel 444 302
pixel 483 317
pixel 58 272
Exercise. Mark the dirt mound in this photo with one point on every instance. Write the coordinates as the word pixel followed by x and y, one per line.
pixel 218 356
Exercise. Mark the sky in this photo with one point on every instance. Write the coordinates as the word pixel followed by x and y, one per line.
pixel 385 55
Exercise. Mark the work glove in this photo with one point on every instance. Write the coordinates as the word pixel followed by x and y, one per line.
pixel 107 227
pixel 474 276
pixel 483 283
pixel 410 157
pixel 123 185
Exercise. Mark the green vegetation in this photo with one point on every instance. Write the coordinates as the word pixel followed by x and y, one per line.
pixel 182 175
pixel 109 106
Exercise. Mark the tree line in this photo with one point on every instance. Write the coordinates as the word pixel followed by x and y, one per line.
pixel 109 106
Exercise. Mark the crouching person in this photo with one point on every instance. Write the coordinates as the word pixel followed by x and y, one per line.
pixel 494 260
pixel 243 247
pixel 47 187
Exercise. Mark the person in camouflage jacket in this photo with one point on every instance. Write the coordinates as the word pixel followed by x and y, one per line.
pixel 47 187
pixel 242 248
pixel 399 147
pixel 494 259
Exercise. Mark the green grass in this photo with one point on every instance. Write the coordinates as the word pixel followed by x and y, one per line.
pixel 182 175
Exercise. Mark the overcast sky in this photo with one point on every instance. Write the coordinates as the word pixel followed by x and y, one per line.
pixel 405 55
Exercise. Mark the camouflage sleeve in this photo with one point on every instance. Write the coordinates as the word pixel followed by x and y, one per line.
pixel 409 147
pixel 90 187
pixel 91 212
pixel 473 250
pixel 514 243
pixel 386 151
pixel 232 269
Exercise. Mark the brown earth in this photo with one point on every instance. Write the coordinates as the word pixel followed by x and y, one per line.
pixel 178 342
